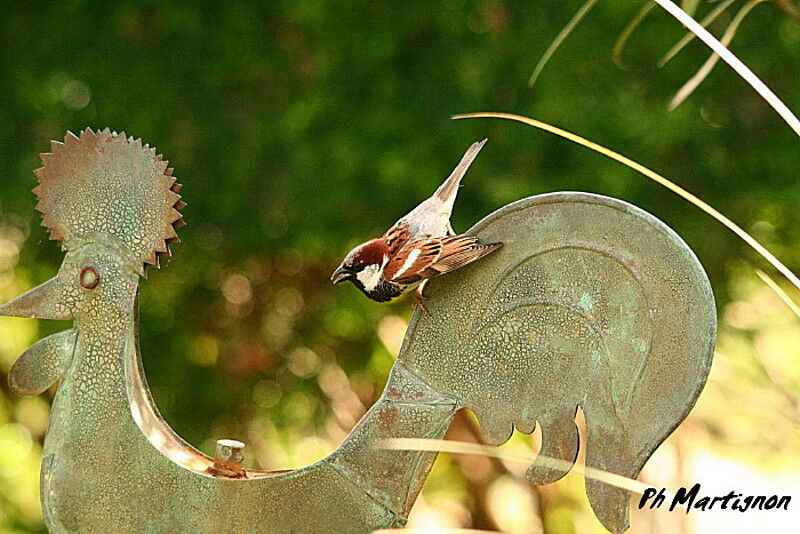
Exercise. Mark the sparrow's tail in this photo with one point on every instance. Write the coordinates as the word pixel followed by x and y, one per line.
pixel 449 189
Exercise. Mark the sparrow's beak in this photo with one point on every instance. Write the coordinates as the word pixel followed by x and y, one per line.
pixel 340 275
pixel 42 302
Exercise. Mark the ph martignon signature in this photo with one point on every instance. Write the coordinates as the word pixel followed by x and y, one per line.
pixel 692 500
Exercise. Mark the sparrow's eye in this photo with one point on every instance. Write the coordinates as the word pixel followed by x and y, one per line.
pixel 358 267
pixel 89 277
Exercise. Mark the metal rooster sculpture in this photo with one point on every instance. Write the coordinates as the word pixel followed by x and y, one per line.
pixel 591 302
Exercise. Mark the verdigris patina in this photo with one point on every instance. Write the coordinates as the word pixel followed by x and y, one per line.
pixel 591 302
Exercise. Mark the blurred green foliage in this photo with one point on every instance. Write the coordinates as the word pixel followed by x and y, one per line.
pixel 301 128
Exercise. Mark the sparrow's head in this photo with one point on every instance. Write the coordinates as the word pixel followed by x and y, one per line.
pixel 363 265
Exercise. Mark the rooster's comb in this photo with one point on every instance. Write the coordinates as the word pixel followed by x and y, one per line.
pixel 106 187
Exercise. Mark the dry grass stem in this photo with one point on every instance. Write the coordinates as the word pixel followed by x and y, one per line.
pixel 689 37
pixel 695 81
pixel 778 290
pixel 737 65
pixel 623 38
pixel 707 208
pixel 560 38
pixel 460 447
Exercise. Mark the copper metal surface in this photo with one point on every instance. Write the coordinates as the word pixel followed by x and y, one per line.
pixel 591 302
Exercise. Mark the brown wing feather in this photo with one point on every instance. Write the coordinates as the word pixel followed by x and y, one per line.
pixel 426 252
pixel 396 237
pixel 436 257
pixel 458 251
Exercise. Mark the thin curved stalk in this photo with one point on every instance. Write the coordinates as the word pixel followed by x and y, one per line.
pixel 623 38
pixel 690 6
pixel 735 63
pixel 695 81
pixel 689 37
pixel 560 38
pixel 461 447
pixel 778 290
pixel 790 7
pixel 675 188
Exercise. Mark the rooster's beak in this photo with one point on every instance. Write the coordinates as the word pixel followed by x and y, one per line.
pixel 42 302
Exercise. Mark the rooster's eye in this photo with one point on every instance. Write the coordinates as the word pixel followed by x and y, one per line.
pixel 89 278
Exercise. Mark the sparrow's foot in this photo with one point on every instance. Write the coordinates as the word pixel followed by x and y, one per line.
pixel 419 300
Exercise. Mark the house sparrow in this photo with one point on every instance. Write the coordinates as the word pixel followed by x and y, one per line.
pixel 420 246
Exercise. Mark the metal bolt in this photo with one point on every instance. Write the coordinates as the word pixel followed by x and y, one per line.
pixel 229 455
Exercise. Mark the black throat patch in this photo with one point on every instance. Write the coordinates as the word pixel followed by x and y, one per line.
pixel 383 292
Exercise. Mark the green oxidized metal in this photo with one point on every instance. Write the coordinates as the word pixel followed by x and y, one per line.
pixel 591 302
